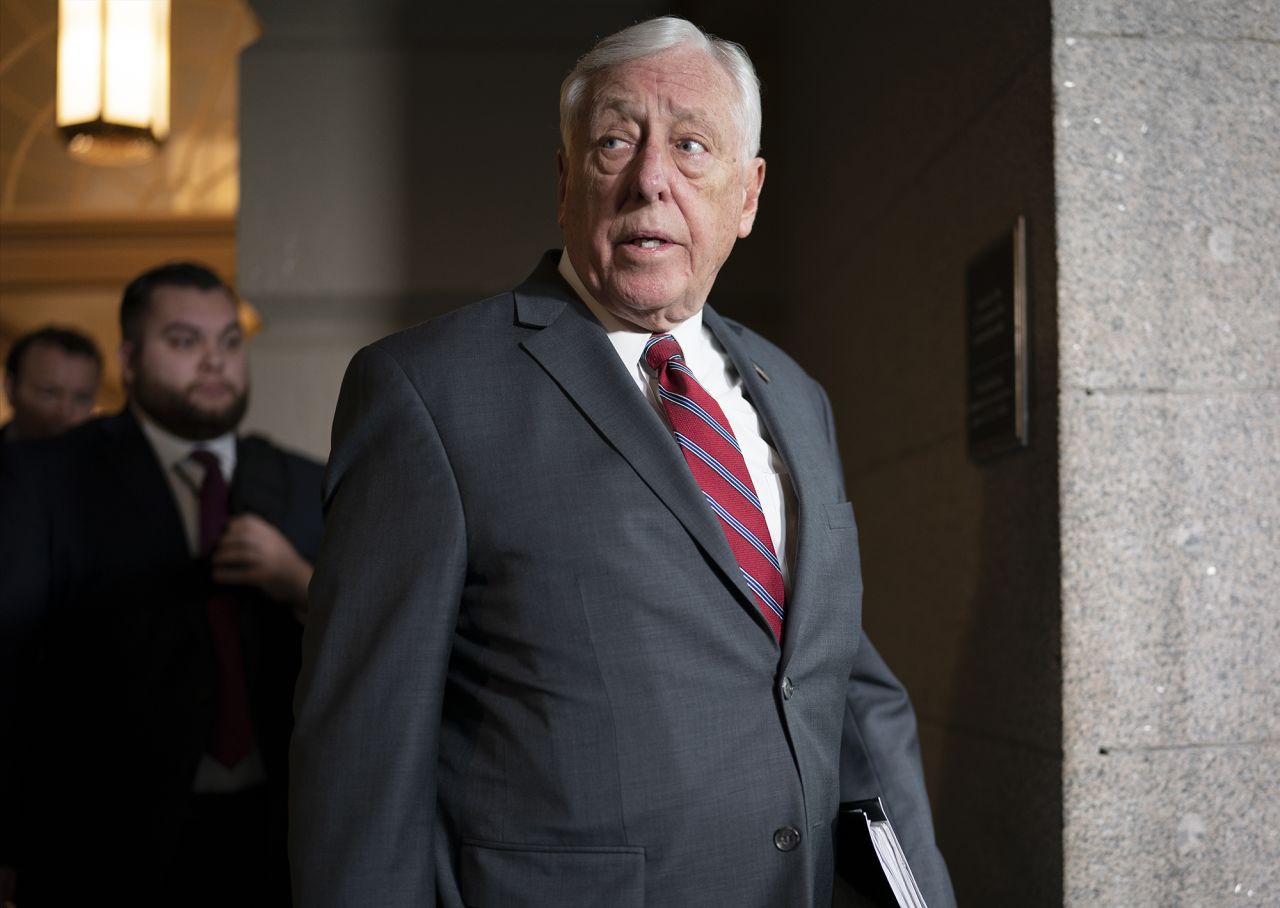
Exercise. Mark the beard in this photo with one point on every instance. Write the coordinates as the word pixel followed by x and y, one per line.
pixel 174 412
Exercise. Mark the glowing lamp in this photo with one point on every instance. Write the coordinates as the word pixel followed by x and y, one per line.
pixel 113 78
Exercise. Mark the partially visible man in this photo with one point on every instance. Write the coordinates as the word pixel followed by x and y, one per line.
pixel 586 629
pixel 155 569
pixel 51 380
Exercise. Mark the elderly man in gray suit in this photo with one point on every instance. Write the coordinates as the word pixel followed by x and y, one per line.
pixel 585 628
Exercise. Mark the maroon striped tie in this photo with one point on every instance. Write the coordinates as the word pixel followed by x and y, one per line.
pixel 231 737
pixel 706 439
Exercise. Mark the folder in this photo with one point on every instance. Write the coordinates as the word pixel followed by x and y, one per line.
pixel 869 860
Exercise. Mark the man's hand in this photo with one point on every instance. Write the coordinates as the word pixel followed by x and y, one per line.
pixel 254 553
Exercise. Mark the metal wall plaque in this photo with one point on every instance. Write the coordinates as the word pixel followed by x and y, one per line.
pixel 996 299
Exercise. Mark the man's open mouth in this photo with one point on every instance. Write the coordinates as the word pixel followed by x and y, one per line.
pixel 648 241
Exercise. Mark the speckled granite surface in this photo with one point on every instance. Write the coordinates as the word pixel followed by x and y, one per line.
pixel 1167 163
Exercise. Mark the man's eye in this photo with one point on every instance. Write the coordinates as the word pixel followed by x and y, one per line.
pixel 612 142
pixel 182 341
pixel 233 342
pixel 692 146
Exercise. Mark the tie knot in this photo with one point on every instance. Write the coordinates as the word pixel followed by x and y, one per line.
pixel 661 349
pixel 208 460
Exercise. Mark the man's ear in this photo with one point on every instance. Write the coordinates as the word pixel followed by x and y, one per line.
pixel 127 351
pixel 562 184
pixel 754 185
pixel 8 388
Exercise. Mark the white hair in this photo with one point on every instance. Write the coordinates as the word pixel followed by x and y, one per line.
pixel 646 39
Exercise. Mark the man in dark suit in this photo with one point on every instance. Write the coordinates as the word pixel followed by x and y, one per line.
pixel 154 581
pixel 585 627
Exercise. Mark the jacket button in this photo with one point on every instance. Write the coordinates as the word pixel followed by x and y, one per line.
pixel 786 838
pixel 787 688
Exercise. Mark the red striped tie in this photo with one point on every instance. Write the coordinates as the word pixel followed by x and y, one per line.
pixel 709 447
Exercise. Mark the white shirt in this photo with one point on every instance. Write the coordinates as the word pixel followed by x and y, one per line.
pixel 185 476
pixel 716 373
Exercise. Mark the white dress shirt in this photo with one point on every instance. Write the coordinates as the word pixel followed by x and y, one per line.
pixel 185 477
pixel 716 373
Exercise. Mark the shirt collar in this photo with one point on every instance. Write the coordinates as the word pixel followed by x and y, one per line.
pixel 172 450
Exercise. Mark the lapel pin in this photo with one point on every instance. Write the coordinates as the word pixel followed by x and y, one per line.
pixel 764 376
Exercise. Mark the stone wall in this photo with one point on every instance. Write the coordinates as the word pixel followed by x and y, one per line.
pixel 1167 160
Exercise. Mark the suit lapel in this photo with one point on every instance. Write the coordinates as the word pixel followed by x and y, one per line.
pixel 803 452
pixel 144 485
pixel 575 351
pixel 260 483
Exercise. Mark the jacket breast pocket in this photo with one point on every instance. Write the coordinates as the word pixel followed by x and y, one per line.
pixel 500 875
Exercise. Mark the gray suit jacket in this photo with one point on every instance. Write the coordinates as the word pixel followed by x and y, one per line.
pixel 532 672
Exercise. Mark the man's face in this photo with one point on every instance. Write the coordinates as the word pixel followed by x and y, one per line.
pixel 189 372
pixel 654 190
pixel 53 391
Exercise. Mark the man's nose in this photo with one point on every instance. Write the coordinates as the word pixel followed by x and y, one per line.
pixel 213 357
pixel 652 172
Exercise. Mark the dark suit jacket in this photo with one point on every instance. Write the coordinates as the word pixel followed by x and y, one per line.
pixel 532 673
pixel 103 611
